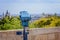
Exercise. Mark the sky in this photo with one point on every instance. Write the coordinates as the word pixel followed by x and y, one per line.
pixel 32 6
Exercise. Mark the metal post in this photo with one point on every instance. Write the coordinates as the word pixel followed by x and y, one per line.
pixel 25 34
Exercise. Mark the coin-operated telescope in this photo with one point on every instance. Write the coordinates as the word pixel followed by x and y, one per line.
pixel 25 17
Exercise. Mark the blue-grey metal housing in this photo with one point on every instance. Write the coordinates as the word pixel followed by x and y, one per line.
pixel 25 17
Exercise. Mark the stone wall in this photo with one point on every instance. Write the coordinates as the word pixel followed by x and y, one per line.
pixel 34 34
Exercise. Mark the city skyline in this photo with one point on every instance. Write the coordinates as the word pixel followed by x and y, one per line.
pixel 32 6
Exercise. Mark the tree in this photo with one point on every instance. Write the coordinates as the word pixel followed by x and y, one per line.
pixel 10 23
pixel 16 23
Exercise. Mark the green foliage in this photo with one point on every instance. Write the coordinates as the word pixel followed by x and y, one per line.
pixel 6 26
pixel 58 23
pixel 7 22
pixel 46 22
pixel 10 23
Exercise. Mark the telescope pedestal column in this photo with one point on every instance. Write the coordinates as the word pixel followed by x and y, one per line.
pixel 25 33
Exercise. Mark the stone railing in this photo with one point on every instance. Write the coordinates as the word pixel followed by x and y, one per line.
pixel 34 34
